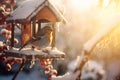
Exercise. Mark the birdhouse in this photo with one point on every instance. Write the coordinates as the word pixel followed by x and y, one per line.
pixel 36 19
pixel 33 16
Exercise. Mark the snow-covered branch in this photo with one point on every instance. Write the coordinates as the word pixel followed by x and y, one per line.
pixel 106 29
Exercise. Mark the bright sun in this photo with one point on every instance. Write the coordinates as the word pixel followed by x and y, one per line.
pixel 82 4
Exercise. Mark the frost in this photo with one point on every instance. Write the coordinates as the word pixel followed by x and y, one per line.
pixel 67 76
pixel 25 9
pixel 91 71
pixel 32 61
pixel 28 53
pixel 29 8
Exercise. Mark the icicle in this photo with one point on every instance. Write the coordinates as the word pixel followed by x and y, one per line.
pixel 32 61
pixel 58 25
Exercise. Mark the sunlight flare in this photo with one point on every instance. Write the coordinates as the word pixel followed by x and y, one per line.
pixel 83 4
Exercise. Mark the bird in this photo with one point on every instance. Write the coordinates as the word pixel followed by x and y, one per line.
pixel 42 39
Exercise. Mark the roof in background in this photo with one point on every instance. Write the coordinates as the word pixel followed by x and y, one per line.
pixel 30 8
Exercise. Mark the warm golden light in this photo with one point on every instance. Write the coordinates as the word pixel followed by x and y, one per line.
pixel 82 4
pixel 75 3
pixel 105 3
pixel 49 36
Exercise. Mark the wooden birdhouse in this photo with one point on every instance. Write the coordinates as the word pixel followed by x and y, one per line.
pixel 33 16
pixel 36 18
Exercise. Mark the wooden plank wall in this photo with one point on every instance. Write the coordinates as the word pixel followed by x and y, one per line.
pixel 46 13
pixel 26 32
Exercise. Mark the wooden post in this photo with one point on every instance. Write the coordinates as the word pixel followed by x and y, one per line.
pixel 39 25
pixel 34 27
pixel 54 30
pixel 12 35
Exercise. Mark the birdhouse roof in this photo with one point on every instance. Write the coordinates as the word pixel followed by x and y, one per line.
pixel 30 8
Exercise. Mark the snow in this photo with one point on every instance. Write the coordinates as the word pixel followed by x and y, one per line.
pixel 67 76
pixel 25 9
pixel 29 53
pixel 30 8
pixel 57 11
pixel 91 71
pixel 1 43
pixel 72 65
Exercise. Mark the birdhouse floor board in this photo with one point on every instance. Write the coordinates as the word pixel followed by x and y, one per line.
pixel 37 54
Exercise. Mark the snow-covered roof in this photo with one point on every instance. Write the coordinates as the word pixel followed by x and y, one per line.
pixel 29 8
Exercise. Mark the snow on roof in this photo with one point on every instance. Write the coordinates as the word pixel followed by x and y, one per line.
pixel 29 8
pixel 25 9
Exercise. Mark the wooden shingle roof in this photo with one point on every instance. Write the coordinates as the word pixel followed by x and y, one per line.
pixel 30 8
